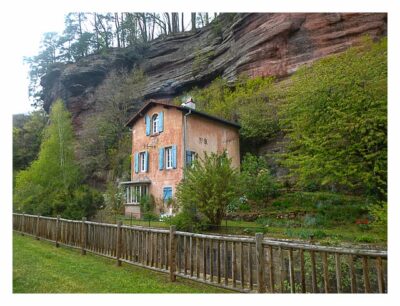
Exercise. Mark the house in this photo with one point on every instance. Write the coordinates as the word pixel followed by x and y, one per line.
pixel 165 140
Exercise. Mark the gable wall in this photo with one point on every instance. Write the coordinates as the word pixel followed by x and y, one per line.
pixel 205 135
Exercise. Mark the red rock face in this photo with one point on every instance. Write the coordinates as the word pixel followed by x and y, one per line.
pixel 259 44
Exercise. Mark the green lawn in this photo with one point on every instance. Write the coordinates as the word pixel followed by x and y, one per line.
pixel 40 267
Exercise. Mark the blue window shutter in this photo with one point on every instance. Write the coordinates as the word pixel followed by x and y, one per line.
pixel 136 162
pixel 161 159
pixel 167 193
pixel 174 156
pixel 160 121
pixel 148 125
pixel 146 161
pixel 188 158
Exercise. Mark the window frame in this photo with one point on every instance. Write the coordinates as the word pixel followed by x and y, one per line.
pixel 168 153
pixel 134 193
pixel 154 123
pixel 172 195
pixel 193 157
pixel 142 164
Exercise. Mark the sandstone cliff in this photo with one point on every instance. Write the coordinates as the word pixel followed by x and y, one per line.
pixel 255 44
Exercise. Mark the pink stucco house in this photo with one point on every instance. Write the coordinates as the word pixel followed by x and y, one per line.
pixel 165 140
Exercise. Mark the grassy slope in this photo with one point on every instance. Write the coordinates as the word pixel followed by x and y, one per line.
pixel 39 267
pixel 336 215
pixel 348 233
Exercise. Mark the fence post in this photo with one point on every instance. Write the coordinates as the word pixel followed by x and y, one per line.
pixel 118 247
pixel 172 253
pixel 83 236
pixel 23 224
pixel 37 227
pixel 260 263
pixel 57 229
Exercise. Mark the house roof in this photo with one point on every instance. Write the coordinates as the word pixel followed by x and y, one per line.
pixel 152 103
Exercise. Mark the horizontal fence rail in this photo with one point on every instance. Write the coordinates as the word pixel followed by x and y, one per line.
pixel 243 264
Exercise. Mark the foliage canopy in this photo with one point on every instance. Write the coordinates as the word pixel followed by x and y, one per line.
pixel 51 185
pixel 247 101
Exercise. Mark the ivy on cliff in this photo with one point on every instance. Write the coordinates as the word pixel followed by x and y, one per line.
pixel 335 117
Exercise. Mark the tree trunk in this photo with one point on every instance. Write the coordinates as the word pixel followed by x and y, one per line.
pixel 122 31
pixel 206 18
pixel 96 32
pixel 201 19
pixel 153 27
pixel 182 23
pixel 168 22
pixel 193 15
pixel 117 29
pixel 175 23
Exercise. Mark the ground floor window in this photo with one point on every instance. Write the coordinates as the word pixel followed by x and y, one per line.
pixel 135 192
pixel 167 194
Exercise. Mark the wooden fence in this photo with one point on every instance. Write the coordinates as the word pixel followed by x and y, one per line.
pixel 244 264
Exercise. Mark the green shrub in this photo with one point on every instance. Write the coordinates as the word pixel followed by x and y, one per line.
pixel 281 205
pixel 85 201
pixel 238 204
pixel 188 221
pixel 364 227
pixel 310 221
pixel 323 208
pixel 209 186
pixel 257 182
pixel 147 208
pixel 378 211
pixel 365 239
pixel 247 101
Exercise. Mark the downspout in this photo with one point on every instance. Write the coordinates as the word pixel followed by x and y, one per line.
pixel 184 138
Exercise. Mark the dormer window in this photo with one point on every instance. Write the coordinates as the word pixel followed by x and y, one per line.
pixel 155 124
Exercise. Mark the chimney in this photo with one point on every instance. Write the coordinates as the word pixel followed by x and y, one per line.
pixel 189 103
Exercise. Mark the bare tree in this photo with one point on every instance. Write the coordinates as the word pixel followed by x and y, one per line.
pixel 193 18
pixel 117 29
pixel 175 22
pixel 168 21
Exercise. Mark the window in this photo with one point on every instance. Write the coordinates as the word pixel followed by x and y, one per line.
pixel 190 157
pixel 135 193
pixel 168 158
pixel 167 194
pixel 155 124
pixel 142 161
